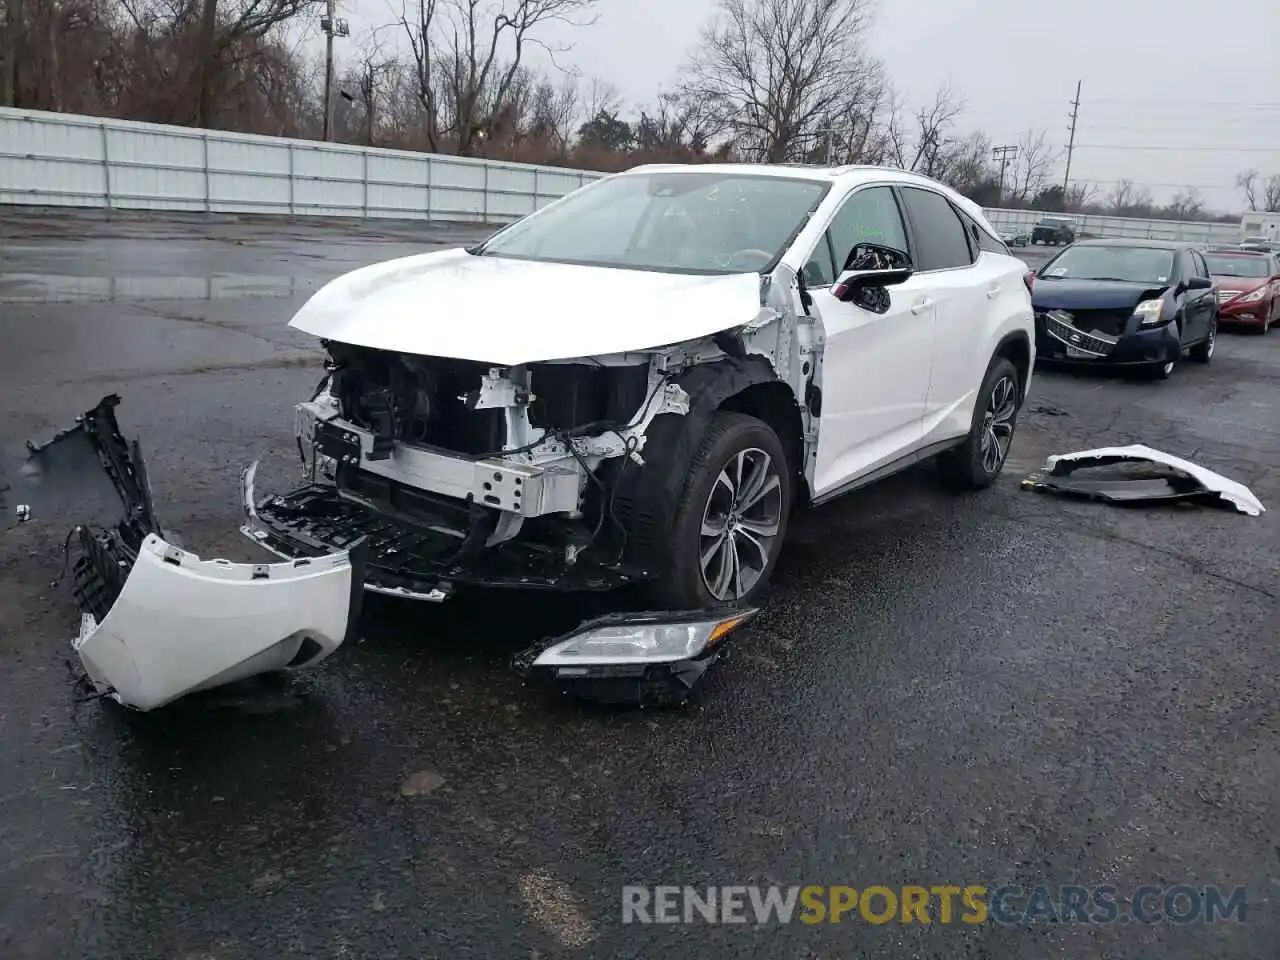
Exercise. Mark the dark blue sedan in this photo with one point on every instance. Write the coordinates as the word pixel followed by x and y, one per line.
pixel 1126 303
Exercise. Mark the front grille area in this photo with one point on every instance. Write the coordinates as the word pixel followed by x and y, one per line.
pixel 1225 295
pixel 1058 328
pixel 1108 323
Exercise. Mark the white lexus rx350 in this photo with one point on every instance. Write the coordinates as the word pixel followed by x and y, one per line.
pixel 641 381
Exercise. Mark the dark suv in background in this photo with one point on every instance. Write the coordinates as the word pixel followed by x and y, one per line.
pixel 1053 230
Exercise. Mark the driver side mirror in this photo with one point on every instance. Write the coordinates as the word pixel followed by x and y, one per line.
pixel 869 266
pixel 1197 283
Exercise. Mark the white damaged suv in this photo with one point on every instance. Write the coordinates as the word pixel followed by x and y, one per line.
pixel 641 381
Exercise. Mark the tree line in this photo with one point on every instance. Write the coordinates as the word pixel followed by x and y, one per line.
pixel 780 81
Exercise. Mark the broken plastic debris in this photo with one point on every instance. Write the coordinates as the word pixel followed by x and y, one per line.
pixel 182 624
pixel 1139 474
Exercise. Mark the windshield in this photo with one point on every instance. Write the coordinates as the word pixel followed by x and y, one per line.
pixel 685 222
pixel 1229 266
pixel 1133 264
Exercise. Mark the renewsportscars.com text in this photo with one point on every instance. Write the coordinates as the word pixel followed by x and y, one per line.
pixel 939 903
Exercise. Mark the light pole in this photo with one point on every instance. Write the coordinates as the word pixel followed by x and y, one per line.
pixel 1003 154
pixel 331 28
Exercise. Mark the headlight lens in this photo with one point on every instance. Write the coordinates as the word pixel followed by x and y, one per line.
pixel 1253 297
pixel 644 639
pixel 1149 311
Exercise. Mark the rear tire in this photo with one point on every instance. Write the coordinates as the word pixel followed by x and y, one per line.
pixel 731 519
pixel 977 462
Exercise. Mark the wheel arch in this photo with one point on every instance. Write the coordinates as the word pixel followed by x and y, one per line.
pixel 644 498
pixel 1015 347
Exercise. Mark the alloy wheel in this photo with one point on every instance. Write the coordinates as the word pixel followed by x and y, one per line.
pixel 997 424
pixel 1213 339
pixel 740 524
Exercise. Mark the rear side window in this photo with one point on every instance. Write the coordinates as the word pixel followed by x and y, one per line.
pixel 940 238
pixel 979 238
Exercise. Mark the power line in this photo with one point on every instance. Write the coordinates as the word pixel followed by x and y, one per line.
pixel 1217 149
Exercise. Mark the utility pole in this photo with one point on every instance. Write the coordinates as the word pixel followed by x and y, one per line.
pixel 1003 154
pixel 1071 144
pixel 331 28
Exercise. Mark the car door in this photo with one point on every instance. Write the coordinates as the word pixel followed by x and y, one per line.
pixel 875 366
pixel 963 286
pixel 1200 303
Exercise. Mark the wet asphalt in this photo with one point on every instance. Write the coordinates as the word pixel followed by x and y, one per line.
pixel 1002 688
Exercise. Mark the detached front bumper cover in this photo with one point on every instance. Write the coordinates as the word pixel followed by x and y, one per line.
pixel 158 622
pixel 1139 474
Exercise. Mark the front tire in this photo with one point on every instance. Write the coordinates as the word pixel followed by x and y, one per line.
pixel 977 462
pixel 1202 352
pixel 731 519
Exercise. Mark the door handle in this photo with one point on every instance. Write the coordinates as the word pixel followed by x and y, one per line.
pixel 921 305
pixel 993 291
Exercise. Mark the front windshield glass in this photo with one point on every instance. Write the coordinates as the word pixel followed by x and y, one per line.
pixel 686 222
pixel 1133 264
pixel 1229 266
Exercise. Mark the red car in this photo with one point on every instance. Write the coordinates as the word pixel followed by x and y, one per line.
pixel 1248 287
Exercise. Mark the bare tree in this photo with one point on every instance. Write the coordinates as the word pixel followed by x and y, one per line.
pixel 1034 162
pixel 372 72
pixel 600 96
pixel 1247 182
pixel 468 54
pixel 1127 198
pixel 1271 194
pixel 771 73
pixel 1186 205
pixel 933 122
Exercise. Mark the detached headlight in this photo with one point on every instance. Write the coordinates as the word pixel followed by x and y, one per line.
pixel 1254 297
pixel 639 639
pixel 1149 311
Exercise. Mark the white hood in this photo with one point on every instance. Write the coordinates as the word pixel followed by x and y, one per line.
pixel 452 304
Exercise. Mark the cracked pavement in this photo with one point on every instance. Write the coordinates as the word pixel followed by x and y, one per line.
pixel 1003 688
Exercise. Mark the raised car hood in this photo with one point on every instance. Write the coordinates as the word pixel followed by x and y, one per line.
pixel 1050 294
pixel 490 309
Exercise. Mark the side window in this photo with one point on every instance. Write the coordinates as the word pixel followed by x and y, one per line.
pixel 869 216
pixel 941 243
pixel 820 271
pixel 981 240
pixel 1202 266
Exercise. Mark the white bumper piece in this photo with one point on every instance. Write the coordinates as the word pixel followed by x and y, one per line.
pixel 183 624
pixel 1237 494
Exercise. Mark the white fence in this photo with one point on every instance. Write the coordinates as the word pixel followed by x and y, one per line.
pixel 54 159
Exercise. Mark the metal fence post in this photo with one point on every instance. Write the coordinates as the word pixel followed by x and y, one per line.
pixel 429 211
pixel 106 166
pixel 484 195
pixel 292 208
pixel 535 190
pixel 364 203
pixel 208 199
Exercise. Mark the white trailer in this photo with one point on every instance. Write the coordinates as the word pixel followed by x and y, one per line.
pixel 1258 224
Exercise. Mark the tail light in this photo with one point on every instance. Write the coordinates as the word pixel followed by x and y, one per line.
pixel 1029 278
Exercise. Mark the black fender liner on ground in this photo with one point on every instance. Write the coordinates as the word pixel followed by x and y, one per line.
pixel 645 498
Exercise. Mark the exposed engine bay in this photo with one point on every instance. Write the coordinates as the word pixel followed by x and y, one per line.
pixel 460 472
pixel 540 475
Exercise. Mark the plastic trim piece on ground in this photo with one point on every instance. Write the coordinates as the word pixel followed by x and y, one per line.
pixel 1077 475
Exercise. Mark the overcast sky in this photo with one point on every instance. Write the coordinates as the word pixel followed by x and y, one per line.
pixel 1175 92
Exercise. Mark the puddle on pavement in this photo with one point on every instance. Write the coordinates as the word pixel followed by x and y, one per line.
pixel 59 288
